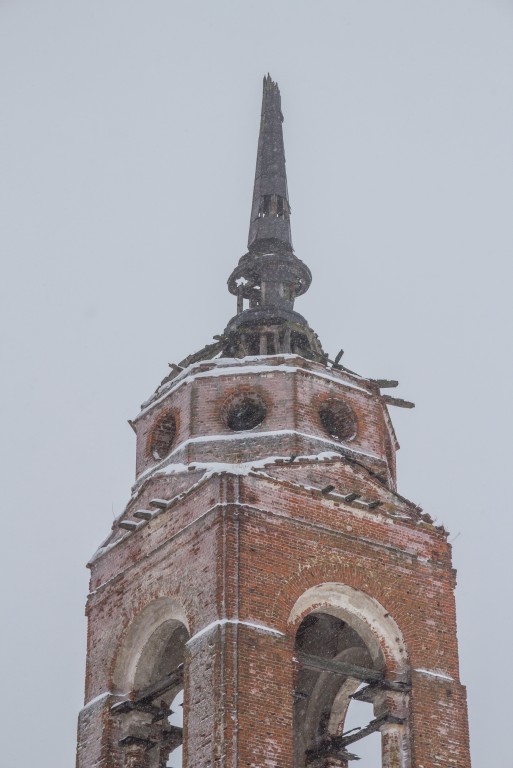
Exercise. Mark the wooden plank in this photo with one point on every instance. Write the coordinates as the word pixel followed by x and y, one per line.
pixel 161 686
pixel 339 667
pixel 143 699
pixel 398 402
pixel 336 745
pixel 368 693
pixel 128 525
pixel 144 514
pixel 383 383
pixel 374 725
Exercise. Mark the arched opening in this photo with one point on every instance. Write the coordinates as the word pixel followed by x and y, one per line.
pixel 347 704
pixel 333 660
pixel 150 717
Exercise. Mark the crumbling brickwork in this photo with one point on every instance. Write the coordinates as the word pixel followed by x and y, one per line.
pixel 265 563
pixel 237 546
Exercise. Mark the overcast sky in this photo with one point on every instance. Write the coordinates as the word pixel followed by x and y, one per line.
pixel 129 134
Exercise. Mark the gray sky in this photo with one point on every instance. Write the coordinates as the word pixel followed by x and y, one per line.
pixel 129 134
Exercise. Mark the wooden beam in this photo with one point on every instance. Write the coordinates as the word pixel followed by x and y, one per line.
pixel 398 402
pixel 143 699
pixel 368 693
pixel 336 745
pixel 320 762
pixel 163 685
pixel 339 668
pixel 159 503
pixel 128 525
pixel 143 514
pixel 383 383
pixel 374 725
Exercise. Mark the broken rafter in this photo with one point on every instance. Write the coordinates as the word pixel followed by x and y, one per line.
pixel 374 725
pixel 143 514
pixel 320 762
pixel 163 685
pixel 207 353
pixel 159 503
pixel 175 368
pixel 398 402
pixel 128 525
pixel 335 746
pixel 144 698
pixel 339 668
pixel 386 383
pixel 367 694
pixel 335 363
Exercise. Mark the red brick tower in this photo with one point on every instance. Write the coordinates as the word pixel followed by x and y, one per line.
pixel 265 563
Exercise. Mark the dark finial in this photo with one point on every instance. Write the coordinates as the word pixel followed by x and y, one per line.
pixel 269 276
pixel 270 211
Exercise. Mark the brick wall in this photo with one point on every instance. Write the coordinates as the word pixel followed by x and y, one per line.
pixel 237 552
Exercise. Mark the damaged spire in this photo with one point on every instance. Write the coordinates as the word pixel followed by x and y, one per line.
pixel 270 211
pixel 269 277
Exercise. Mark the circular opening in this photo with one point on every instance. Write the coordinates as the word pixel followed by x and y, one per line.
pixel 163 436
pixel 245 411
pixel 338 419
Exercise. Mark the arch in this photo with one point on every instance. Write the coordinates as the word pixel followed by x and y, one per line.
pixel 165 613
pixel 149 669
pixel 363 613
pixel 343 637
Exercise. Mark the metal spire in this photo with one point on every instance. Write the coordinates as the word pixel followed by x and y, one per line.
pixel 269 277
pixel 270 212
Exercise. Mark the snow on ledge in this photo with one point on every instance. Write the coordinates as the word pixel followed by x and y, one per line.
pixel 101 697
pixel 223 622
pixel 248 436
pixel 245 467
pixel 431 673
pixel 223 368
pixel 103 548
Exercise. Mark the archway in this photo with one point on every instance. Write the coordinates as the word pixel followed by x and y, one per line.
pixel 348 649
pixel 150 666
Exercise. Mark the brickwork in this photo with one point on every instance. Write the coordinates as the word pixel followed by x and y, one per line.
pixel 198 396
pixel 265 561
pixel 236 552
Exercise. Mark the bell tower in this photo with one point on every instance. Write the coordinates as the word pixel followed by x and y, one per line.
pixel 265 567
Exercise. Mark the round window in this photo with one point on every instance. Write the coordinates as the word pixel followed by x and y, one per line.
pixel 338 419
pixel 245 411
pixel 162 436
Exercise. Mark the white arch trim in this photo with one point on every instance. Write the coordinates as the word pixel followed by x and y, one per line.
pixel 152 616
pixel 363 613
